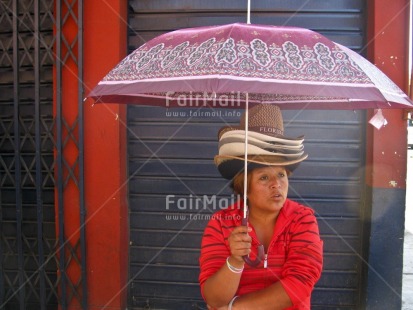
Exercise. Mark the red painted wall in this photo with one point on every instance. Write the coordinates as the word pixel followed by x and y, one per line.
pixel 105 44
pixel 386 161
pixel 387 48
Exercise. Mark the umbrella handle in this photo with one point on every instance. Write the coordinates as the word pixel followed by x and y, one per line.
pixel 260 251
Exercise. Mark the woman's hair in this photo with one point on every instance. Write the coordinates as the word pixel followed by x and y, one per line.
pixel 237 184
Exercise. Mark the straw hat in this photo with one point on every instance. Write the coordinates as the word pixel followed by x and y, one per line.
pixel 267 145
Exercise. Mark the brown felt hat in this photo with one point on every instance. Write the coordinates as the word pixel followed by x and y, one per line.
pixel 267 145
pixel 264 119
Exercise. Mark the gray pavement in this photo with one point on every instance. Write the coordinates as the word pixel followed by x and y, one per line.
pixel 407 289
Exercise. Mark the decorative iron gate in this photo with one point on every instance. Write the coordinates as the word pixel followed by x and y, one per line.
pixel 42 265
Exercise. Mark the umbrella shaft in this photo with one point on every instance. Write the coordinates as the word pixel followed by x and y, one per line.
pixel 246 156
pixel 249 12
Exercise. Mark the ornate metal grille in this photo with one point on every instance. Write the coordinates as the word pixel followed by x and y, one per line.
pixel 36 252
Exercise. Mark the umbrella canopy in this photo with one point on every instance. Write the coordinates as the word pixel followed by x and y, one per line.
pixel 237 64
pixel 217 66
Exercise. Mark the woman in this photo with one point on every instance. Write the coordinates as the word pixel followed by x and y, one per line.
pixel 287 230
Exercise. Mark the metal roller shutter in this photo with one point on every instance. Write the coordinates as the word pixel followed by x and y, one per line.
pixel 174 186
pixel 28 242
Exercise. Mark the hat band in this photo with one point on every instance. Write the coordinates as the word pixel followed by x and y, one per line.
pixel 267 130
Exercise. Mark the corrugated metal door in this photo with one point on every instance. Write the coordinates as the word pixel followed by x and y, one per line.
pixel 175 187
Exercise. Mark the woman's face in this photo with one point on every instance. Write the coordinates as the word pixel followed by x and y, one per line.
pixel 268 188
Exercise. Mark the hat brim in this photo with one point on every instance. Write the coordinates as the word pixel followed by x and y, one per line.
pixel 262 144
pixel 238 149
pixel 262 137
pixel 230 166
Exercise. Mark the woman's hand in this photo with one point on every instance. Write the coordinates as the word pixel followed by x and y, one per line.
pixel 240 245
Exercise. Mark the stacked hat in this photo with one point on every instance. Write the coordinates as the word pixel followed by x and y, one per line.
pixel 267 145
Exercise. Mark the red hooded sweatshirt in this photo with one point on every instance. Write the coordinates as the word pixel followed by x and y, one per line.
pixel 294 256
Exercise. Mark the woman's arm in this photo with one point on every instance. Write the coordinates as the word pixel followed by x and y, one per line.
pixel 220 288
pixel 273 297
pixel 304 263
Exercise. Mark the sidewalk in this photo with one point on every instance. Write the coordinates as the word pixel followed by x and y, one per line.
pixel 407 293
pixel 407 288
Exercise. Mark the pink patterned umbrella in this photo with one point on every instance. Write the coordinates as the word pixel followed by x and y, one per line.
pixel 217 66
pixel 233 65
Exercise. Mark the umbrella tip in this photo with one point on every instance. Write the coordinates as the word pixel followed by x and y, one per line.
pixel 378 120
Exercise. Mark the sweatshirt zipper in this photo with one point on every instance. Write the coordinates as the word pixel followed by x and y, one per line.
pixel 266 254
